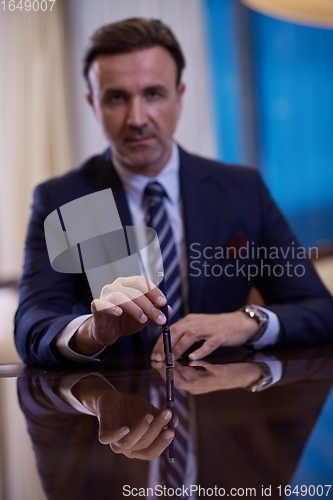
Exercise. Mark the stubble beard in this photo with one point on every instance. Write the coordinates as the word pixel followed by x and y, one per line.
pixel 150 164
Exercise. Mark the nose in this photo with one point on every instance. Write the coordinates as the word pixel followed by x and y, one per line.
pixel 136 116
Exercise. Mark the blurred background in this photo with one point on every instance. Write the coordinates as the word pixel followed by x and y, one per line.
pixel 259 81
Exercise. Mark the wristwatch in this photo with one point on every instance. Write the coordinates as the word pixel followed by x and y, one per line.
pixel 261 318
pixel 263 381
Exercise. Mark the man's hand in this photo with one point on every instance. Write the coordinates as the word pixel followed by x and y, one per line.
pixel 201 377
pixel 123 308
pixel 216 330
pixel 130 424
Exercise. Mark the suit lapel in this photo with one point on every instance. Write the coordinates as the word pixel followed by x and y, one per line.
pixel 198 196
pixel 102 175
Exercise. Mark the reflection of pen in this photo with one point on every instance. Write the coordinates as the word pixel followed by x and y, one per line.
pixel 166 327
pixel 171 406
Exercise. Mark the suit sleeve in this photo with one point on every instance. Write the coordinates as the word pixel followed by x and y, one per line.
pixel 289 282
pixel 48 300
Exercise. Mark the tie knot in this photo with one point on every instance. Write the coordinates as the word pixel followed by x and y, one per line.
pixel 154 193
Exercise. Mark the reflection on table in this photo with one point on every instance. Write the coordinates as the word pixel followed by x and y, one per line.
pixel 234 438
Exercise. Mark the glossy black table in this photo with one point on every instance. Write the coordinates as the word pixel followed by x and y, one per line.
pixel 276 442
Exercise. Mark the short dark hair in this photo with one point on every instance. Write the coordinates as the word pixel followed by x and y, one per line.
pixel 131 35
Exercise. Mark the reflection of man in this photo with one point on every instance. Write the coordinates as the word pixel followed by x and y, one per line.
pixel 133 70
pixel 260 445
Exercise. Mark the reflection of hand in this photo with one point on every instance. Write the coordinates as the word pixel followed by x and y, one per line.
pixel 202 377
pixel 216 330
pixel 129 424
pixel 124 307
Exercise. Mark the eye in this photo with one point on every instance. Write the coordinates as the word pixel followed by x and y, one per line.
pixel 116 98
pixel 153 95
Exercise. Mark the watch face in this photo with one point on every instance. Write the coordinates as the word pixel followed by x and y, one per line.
pixel 260 384
pixel 259 315
pixel 252 313
pixel 264 380
pixel 249 310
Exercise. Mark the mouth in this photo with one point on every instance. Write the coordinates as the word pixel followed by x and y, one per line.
pixel 140 140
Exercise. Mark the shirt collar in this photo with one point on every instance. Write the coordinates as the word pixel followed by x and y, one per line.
pixel 135 184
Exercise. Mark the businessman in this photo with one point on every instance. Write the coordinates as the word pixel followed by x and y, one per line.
pixel 219 230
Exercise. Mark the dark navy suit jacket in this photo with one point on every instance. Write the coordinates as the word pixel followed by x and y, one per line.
pixel 220 202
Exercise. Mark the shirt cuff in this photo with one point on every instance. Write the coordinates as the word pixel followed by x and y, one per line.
pixel 65 337
pixel 68 382
pixel 273 364
pixel 271 334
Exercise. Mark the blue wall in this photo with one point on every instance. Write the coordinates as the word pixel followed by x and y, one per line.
pixel 292 95
pixel 225 79
pixel 315 465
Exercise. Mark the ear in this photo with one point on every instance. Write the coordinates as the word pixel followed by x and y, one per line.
pixel 181 89
pixel 180 92
pixel 90 99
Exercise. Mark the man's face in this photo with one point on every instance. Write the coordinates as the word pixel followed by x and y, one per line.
pixel 137 102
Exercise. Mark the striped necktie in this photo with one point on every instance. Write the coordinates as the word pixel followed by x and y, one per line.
pixel 157 218
pixel 173 475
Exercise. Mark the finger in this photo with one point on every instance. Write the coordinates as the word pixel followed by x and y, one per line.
pixel 153 313
pixel 108 436
pixel 102 305
pixel 186 378
pixel 151 452
pixel 202 363
pixel 158 353
pixel 138 431
pixel 169 310
pixel 207 347
pixel 156 427
pixel 184 343
pixel 146 287
pixel 134 305
pixel 157 447
pixel 180 381
pixel 159 366
pixel 120 297
pixel 186 323
pixel 139 283
pixel 103 312
pixel 120 291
